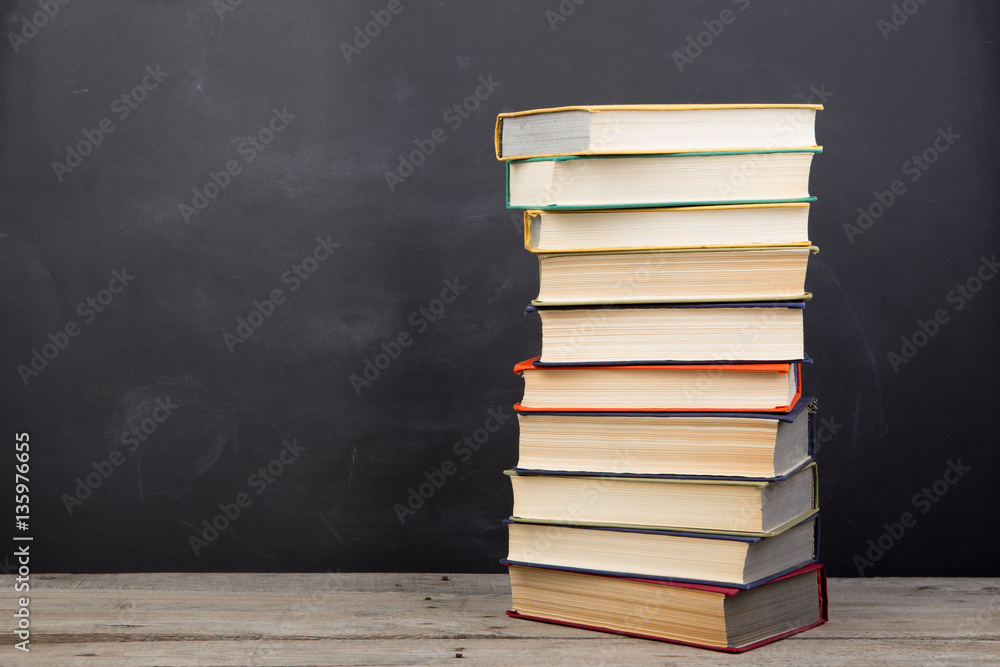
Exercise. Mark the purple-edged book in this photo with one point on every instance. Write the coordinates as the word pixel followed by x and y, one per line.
pixel 730 333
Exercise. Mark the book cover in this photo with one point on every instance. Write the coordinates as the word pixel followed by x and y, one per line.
pixel 611 128
pixel 803 403
pixel 640 475
pixel 731 274
pixel 815 569
pixel 729 339
pixel 741 222
pixel 682 444
pixel 814 518
pixel 597 500
pixel 706 370
pixel 670 174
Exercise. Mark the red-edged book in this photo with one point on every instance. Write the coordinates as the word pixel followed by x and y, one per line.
pixel 772 387
pixel 706 616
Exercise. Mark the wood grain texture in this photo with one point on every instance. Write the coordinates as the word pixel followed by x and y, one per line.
pixel 404 619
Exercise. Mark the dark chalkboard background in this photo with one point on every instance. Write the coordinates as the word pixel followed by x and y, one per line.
pixel 345 115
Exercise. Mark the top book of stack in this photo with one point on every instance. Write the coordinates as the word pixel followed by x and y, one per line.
pixel 663 155
pixel 655 128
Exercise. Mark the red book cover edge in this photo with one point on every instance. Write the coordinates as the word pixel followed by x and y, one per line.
pixel 774 368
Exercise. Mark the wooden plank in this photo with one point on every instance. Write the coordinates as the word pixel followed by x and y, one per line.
pixel 554 652
pixel 343 619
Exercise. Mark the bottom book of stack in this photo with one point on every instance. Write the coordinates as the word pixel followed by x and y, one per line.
pixel 707 616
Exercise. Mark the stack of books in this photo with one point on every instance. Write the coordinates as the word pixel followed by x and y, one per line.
pixel 665 485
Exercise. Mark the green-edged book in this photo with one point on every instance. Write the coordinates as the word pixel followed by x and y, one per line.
pixel 729 506
pixel 673 179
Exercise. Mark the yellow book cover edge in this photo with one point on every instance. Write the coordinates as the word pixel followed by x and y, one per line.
pixel 670 249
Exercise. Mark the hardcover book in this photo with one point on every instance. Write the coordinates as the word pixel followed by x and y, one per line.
pixel 750 445
pixel 673 179
pixel 654 128
pixel 664 387
pixel 650 333
pixel 732 560
pixel 709 275
pixel 678 227
pixel 716 617
pixel 757 508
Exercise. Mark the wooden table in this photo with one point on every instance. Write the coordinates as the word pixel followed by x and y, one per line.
pixel 406 619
